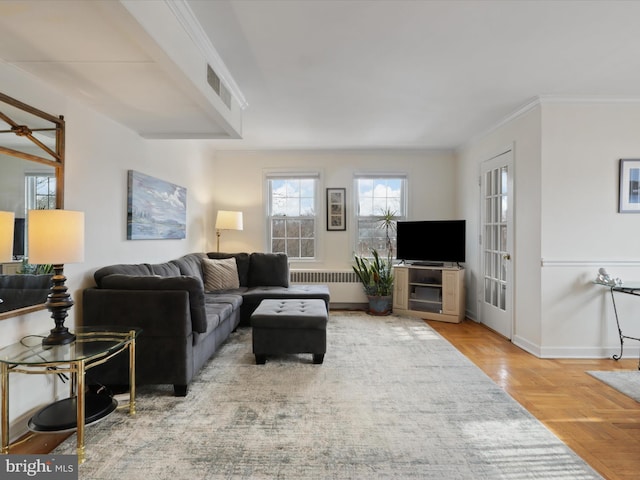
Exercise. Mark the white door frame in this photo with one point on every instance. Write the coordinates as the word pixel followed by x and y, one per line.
pixel 502 320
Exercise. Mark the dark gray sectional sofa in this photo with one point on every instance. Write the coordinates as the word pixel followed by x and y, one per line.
pixel 183 324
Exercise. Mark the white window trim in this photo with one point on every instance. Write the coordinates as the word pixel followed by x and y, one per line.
pixel 29 192
pixel 354 213
pixel 318 201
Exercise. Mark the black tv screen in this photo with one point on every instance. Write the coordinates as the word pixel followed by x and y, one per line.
pixel 431 241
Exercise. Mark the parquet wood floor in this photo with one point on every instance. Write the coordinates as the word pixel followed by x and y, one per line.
pixel 597 422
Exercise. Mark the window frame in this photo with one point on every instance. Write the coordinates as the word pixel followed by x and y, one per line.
pixel 359 247
pixel 293 175
pixel 31 190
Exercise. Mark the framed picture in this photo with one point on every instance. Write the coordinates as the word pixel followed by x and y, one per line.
pixel 629 186
pixel 155 209
pixel 336 209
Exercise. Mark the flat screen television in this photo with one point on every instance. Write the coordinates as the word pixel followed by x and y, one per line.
pixel 431 241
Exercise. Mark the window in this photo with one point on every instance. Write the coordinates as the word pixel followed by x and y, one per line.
pixel 40 191
pixel 377 196
pixel 292 214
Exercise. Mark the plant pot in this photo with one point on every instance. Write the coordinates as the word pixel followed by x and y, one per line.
pixel 380 305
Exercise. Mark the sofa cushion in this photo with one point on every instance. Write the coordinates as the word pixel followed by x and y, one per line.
pixel 191 265
pixel 153 282
pixel 122 269
pixel 165 269
pixel 235 300
pixel 216 314
pixel 269 270
pixel 242 263
pixel 220 274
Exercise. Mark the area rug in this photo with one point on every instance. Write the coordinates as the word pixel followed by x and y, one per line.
pixel 625 381
pixel 393 400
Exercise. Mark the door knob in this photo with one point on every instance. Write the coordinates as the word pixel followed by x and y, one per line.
pixel 506 256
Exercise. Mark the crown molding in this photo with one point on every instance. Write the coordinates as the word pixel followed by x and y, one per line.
pixel 191 25
pixel 587 100
pixel 525 108
pixel 551 100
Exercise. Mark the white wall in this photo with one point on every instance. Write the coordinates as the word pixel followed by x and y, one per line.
pixel 581 228
pixel 12 192
pixel 239 185
pixel 522 134
pixel 566 224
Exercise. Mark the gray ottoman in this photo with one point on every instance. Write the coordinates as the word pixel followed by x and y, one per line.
pixel 290 326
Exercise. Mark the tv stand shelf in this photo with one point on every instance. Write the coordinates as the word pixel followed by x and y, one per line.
pixel 430 292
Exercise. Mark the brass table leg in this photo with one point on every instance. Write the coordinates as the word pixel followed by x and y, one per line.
pixel 80 410
pixel 4 393
pixel 132 373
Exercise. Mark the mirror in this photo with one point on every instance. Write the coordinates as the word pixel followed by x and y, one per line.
pixel 31 177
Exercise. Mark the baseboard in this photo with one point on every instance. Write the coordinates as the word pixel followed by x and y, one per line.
pixel 527 346
pixel 471 316
pixel 632 351
pixel 19 425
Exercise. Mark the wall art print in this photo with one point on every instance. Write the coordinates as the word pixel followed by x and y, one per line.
pixel 336 209
pixel 629 186
pixel 155 209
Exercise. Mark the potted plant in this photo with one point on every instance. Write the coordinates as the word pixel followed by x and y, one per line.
pixel 387 222
pixel 376 275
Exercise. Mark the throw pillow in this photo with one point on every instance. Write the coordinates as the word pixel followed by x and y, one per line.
pixel 242 262
pixel 220 274
pixel 269 270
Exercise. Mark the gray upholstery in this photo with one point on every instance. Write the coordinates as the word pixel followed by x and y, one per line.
pixel 165 269
pixel 192 285
pixel 268 270
pixel 190 265
pixel 124 269
pixel 253 296
pixel 19 291
pixel 289 326
pixel 182 325
pixel 290 314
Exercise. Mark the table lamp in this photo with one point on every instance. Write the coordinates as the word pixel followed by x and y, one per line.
pixel 56 237
pixel 6 236
pixel 227 220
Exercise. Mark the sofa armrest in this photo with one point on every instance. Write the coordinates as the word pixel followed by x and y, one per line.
pixel 160 313
pixel 192 285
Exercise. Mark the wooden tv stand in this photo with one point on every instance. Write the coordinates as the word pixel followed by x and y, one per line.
pixel 429 292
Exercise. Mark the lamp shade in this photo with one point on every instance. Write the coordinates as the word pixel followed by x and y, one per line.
pixel 228 220
pixel 55 236
pixel 6 236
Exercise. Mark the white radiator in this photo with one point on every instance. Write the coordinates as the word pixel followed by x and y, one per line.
pixel 344 286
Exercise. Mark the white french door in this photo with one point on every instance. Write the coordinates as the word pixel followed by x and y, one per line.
pixel 496 243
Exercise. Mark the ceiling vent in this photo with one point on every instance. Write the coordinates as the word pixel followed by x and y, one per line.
pixel 221 90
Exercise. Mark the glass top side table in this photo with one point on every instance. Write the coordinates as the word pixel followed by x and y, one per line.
pixel 92 346
pixel 629 288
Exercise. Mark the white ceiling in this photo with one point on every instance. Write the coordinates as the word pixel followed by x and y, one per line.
pixel 331 74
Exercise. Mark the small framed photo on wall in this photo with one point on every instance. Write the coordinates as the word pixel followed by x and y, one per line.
pixel 336 209
pixel 629 186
